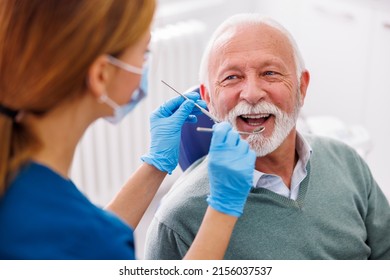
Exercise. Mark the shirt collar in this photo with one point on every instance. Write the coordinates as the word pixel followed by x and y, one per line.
pixel 303 149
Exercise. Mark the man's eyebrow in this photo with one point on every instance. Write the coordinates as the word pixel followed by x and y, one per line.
pixel 230 67
pixel 237 65
pixel 227 68
pixel 273 61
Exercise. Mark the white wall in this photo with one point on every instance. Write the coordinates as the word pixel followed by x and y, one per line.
pixel 377 113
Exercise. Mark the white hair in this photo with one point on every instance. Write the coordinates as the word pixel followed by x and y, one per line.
pixel 241 20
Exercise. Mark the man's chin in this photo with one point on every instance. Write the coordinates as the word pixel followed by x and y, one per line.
pixel 263 153
pixel 261 147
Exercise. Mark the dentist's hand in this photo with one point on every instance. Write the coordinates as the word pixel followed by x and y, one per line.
pixel 230 167
pixel 165 129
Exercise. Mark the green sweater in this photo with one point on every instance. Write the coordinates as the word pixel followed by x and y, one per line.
pixel 340 213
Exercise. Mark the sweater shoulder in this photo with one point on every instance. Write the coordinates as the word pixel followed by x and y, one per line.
pixel 333 158
pixel 186 200
pixel 328 144
pixel 329 149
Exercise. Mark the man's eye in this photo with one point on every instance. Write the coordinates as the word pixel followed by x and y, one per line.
pixel 269 73
pixel 231 77
pixel 230 80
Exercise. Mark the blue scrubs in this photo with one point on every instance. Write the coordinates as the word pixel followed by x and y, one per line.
pixel 44 216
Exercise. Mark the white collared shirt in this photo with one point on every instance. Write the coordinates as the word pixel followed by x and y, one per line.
pixel 275 183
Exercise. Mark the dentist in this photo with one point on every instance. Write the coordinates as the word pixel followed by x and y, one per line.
pixel 63 65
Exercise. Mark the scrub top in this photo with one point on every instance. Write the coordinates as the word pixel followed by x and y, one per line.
pixel 44 216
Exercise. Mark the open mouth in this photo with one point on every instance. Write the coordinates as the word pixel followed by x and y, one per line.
pixel 249 122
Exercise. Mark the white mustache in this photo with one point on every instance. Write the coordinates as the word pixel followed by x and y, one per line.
pixel 259 143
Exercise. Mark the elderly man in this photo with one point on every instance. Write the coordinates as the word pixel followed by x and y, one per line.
pixel 313 198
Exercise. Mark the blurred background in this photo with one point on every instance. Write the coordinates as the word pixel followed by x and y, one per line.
pixel 346 47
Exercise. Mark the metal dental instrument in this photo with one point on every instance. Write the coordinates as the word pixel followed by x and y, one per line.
pixel 207 113
pixel 257 130
pixel 204 111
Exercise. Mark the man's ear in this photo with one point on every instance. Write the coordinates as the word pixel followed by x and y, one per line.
pixel 305 79
pixel 99 76
pixel 204 94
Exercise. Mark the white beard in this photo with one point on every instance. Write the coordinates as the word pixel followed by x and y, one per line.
pixel 284 123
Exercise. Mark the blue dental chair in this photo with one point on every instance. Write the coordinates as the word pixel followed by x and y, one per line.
pixel 194 144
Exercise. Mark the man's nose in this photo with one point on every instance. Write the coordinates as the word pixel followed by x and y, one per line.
pixel 252 92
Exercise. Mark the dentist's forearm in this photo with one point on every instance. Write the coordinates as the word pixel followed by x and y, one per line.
pixel 136 195
pixel 213 237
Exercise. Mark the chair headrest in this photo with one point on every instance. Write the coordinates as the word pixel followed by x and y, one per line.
pixel 194 144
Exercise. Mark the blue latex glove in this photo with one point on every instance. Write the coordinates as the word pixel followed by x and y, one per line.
pixel 165 129
pixel 231 165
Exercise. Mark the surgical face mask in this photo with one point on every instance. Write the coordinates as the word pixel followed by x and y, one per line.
pixel 121 111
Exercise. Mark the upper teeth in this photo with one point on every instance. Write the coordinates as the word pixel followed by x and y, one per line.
pixel 255 116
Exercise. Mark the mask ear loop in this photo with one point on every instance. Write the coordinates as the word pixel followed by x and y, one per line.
pixel 105 99
pixel 125 66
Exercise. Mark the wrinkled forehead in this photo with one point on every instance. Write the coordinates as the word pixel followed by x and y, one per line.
pixel 251 37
